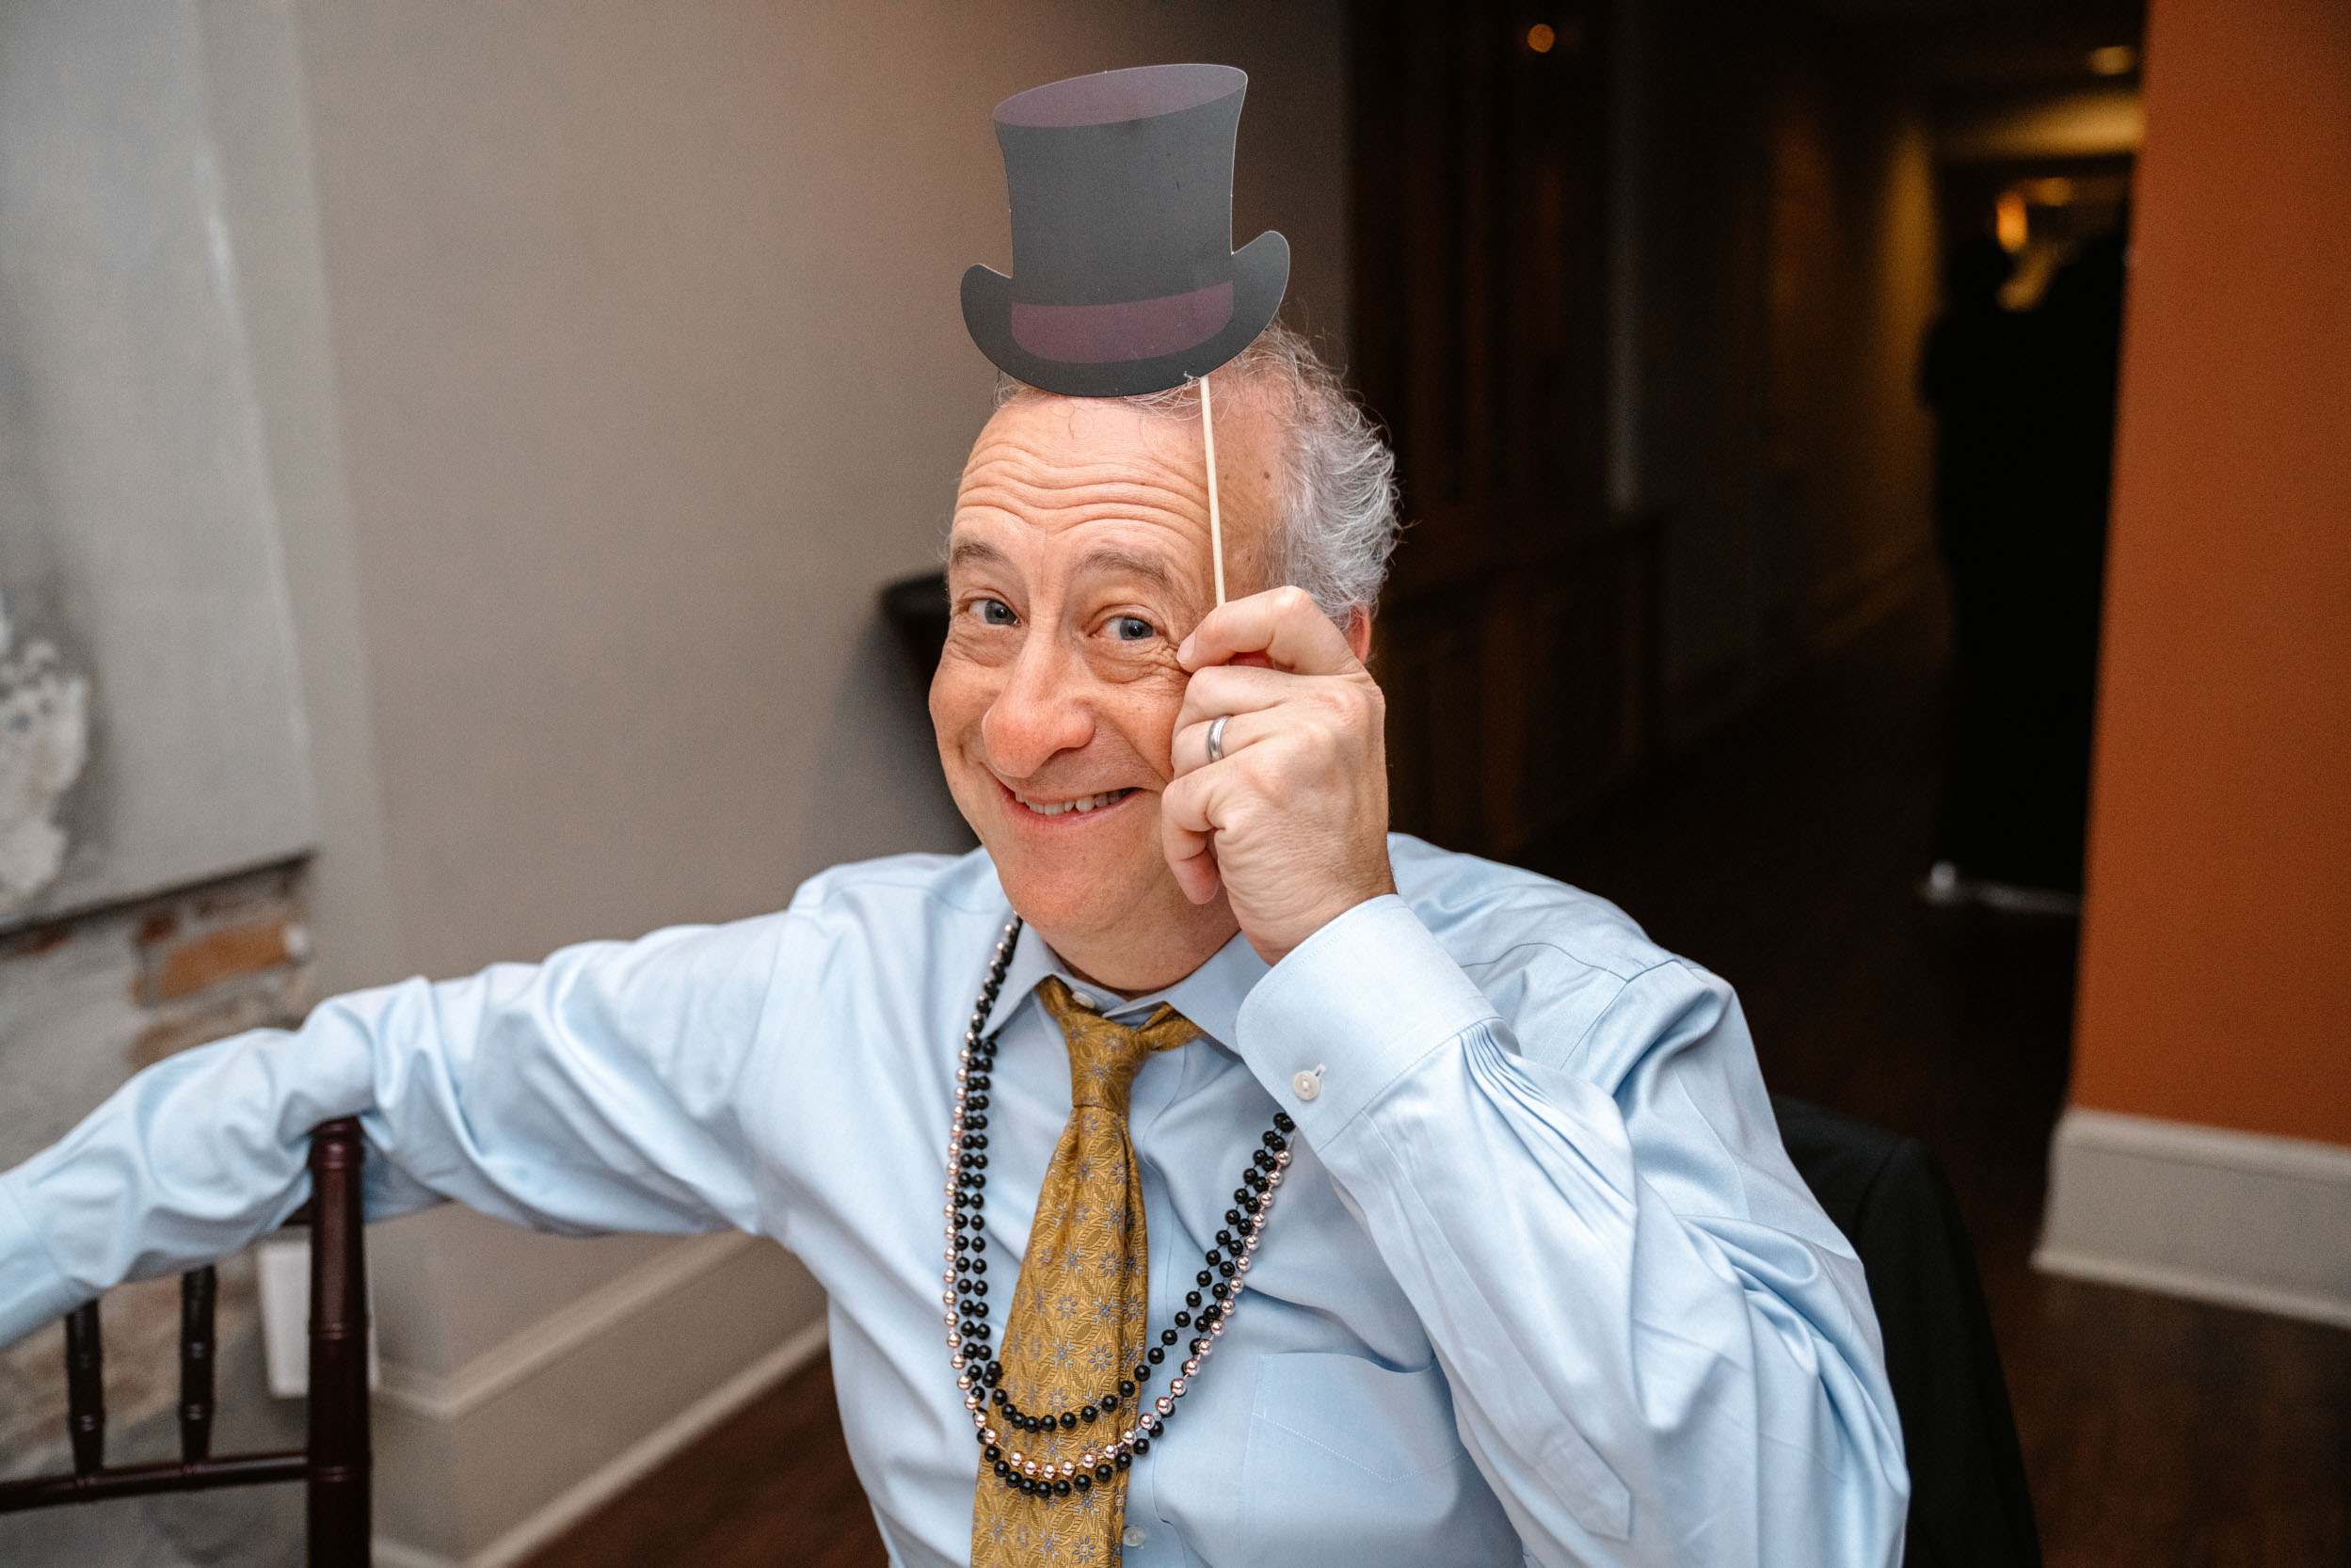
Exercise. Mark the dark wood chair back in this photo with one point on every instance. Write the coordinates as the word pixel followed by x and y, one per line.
pixel 335 1466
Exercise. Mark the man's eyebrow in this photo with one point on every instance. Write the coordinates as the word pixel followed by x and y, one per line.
pixel 975 553
pixel 1106 558
pixel 1149 567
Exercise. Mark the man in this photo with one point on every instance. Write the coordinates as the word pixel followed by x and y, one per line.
pixel 1515 1269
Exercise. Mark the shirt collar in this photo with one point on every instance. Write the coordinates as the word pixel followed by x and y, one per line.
pixel 1210 996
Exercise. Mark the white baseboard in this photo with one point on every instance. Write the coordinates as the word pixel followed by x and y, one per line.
pixel 456 1395
pixel 2240 1219
pixel 626 1468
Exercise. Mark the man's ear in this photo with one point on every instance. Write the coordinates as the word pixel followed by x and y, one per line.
pixel 1359 633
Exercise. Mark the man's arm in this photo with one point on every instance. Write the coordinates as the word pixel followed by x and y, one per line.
pixel 592 1092
pixel 1661 1350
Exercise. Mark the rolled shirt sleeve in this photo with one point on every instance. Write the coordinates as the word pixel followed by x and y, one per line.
pixel 593 1092
pixel 1660 1350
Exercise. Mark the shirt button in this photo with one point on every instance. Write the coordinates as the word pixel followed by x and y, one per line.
pixel 1082 1000
pixel 1133 1537
pixel 1306 1085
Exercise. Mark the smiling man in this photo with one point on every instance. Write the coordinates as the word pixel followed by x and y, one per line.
pixel 1198 1173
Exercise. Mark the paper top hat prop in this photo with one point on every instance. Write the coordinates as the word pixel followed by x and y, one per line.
pixel 1124 278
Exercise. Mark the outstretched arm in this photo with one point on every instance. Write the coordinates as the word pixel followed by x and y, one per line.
pixel 587 1093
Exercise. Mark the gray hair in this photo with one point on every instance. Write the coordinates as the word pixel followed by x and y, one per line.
pixel 1339 517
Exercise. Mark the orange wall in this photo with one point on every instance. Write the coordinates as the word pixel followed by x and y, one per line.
pixel 2217 953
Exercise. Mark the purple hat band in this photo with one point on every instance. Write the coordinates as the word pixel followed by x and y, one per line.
pixel 1133 330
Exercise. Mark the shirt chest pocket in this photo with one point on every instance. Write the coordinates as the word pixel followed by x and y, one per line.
pixel 1353 1466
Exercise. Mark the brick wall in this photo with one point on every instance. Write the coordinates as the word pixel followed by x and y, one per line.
pixel 84 1003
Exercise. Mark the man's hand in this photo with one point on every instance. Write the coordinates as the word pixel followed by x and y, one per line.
pixel 1293 822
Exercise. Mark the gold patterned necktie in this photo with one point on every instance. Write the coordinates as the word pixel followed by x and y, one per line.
pixel 1078 1316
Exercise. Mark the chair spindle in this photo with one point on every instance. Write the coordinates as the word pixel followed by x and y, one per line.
pixel 340 1522
pixel 85 1389
pixel 197 1289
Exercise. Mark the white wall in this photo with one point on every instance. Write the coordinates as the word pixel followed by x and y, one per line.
pixel 158 742
pixel 609 360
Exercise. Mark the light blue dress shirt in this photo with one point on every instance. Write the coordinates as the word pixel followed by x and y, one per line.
pixel 1541 1284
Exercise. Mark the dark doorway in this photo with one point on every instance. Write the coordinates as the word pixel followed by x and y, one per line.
pixel 1515 639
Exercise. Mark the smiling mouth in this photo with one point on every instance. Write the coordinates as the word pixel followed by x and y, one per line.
pixel 1073 807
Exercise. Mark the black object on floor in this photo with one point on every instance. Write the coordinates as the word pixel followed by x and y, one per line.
pixel 1970 1506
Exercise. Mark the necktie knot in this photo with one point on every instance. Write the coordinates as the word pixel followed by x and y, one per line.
pixel 1105 1056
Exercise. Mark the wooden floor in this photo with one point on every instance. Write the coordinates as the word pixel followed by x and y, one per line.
pixel 771 1488
pixel 1781 854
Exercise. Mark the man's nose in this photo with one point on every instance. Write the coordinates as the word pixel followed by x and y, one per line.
pixel 1039 712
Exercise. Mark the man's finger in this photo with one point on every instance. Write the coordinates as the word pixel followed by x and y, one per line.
pixel 1284 624
pixel 1187 837
pixel 1191 741
pixel 1236 689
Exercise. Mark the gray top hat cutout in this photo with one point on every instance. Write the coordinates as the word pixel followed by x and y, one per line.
pixel 1124 277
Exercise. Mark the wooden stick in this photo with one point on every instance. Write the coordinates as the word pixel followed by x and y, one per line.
pixel 1216 519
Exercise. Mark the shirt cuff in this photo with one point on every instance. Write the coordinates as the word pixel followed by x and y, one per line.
pixel 1350 1009
pixel 32 1292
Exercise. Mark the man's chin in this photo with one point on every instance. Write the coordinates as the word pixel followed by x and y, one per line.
pixel 1071 893
pixel 1059 900
pixel 1127 926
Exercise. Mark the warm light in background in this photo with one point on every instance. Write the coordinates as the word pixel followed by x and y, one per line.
pixel 2115 59
pixel 1540 38
pixel 2012 226
pixel 2013 216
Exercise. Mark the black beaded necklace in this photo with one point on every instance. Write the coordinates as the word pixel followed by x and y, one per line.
pixel 968 1332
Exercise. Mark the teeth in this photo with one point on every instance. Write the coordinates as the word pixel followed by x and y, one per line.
pixel 1061 808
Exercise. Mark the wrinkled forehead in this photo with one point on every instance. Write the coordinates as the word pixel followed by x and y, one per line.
pixel 1055 463
pixel 1053 452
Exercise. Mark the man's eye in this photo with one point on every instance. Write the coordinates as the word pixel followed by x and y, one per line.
pixel 1130 629
pixel 995 612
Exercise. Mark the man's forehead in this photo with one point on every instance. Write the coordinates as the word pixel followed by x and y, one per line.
pixel 1110 489
pixel 1066 465
pixel 1040 451
pixel 1075 441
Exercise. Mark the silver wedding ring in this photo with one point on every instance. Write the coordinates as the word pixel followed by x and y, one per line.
pixel 1216 738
